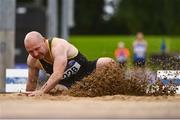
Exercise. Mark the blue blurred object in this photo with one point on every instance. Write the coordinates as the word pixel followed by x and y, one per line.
pixel 21 66
pixel 163 46
pixel 16 80
pixel 167 81
pixel 177 81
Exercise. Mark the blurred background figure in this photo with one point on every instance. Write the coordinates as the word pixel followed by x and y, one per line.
pixel 121 53
pixel 163 46
pixel 139 49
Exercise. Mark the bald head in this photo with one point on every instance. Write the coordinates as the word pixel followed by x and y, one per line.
pixel 35 44
pixel 33 38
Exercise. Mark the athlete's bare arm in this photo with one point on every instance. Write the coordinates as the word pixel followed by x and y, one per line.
pixel 59 53
pixel 33 71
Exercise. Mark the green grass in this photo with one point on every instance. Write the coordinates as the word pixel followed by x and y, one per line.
pixel 98 46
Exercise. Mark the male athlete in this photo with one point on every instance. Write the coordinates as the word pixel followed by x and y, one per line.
pixel 60 59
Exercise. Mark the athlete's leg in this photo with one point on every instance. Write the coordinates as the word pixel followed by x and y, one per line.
pixel 42 79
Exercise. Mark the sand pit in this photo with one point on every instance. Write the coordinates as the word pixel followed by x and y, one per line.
pixel 114 95
pixel 117 106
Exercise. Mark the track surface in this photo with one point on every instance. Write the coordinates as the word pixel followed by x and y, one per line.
pixel 118 106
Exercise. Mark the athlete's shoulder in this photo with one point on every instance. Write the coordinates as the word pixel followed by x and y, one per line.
pixel 58 39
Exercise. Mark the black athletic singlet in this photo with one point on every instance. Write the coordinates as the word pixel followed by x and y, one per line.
pixel 76 68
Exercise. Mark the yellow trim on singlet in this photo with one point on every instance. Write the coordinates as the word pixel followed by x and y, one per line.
pixel 51 49
pixel 49 53
pixel 41 65
pixel 44 59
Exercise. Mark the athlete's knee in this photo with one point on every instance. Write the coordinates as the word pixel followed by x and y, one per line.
pixel 104 61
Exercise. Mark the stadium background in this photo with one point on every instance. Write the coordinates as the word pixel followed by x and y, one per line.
pixel 158 20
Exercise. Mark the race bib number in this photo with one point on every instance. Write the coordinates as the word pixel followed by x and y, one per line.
pixel 71 69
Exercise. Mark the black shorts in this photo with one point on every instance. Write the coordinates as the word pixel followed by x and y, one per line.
pixel 76 69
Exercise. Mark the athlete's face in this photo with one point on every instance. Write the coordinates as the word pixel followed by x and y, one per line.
pixel 37 49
